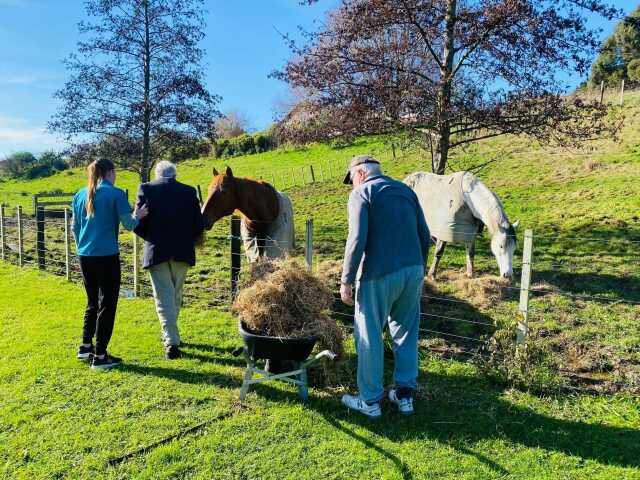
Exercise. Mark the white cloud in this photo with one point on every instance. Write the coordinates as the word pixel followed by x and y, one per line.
pixel 16 134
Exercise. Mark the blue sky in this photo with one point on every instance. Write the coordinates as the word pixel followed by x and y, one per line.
pixel 242 43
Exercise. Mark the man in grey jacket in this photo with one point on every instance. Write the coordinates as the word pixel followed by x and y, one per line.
pixel 385 255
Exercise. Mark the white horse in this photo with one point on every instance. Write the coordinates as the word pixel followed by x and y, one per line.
pixel 456 208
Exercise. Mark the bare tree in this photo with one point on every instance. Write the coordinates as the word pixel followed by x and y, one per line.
pixel 232 124
pixel 136 80
pixel 451 72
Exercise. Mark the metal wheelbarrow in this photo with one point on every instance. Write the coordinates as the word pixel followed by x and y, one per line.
pixel 293 351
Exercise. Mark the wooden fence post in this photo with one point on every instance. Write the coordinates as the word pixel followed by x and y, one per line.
pixel 41 247
pixel 20 236
pixel 2 232
pixel 601 91
pixel 313 174
pixel 67 246
pixel 136 262
pixel 622 92
pixel 308 240
pixel 525 283
pixel 235 256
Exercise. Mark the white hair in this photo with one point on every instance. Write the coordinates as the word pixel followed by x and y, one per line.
pixel 165 169
pixel 369 169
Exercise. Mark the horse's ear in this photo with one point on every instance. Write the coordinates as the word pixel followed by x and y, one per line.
pixel 215 172
pixel 229 173
pixel 515 224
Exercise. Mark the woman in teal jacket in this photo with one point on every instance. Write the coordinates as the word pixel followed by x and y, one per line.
pixel 98 211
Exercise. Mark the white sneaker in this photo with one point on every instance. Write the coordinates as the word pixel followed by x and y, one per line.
pixel 356 403
pixel 405 405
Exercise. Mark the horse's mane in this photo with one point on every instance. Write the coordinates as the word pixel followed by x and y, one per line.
pixel 486 205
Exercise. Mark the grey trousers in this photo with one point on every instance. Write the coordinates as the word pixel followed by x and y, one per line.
pixel 394 298
pixel 167 280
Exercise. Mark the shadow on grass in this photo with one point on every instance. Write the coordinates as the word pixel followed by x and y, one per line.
pixel 464 412
pixel 624 288
pixel 182 375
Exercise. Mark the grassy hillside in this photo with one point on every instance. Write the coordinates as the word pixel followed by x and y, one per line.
pixel 583 208
pixel 152 419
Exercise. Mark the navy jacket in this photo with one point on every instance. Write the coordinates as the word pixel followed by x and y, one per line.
pixel 173 224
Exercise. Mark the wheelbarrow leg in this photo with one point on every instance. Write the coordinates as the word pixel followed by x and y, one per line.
pixel 303 389
pixel 248 375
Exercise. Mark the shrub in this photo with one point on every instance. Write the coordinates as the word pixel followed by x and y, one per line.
pixel 245 144
pixel 530 366
pixel 263 142
pixel 633 70
pixel 220 148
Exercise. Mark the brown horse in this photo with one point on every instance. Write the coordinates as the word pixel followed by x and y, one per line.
pixel 257 201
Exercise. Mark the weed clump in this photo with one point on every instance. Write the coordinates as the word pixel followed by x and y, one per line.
pixel 530 366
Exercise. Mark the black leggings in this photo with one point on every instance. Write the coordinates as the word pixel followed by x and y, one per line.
pixel 101 277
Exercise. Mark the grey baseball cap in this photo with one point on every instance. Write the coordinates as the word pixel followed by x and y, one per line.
pixel 355 161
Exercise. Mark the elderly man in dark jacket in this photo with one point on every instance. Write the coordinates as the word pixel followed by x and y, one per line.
pixel 169 234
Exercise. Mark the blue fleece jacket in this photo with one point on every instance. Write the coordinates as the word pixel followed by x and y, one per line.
pixel 387 230
pixel 97 236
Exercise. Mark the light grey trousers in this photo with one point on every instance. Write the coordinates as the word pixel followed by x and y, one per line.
pixel 394 298
pixel 167 280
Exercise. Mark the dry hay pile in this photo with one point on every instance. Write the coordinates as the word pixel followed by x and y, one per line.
pixel 485 290
pixel 285 300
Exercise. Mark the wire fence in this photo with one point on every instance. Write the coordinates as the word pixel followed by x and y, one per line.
pixel 566 267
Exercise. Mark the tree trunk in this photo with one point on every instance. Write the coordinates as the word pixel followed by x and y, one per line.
pixel 146 133
pixel 443 132
pixel 145 174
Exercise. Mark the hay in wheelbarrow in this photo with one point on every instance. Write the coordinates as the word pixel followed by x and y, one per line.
pixel 285 300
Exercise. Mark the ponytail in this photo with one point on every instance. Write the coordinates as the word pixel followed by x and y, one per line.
pixel 96 171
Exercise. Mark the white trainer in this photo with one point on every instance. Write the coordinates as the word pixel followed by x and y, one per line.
pixel 405 405
pixel 356 403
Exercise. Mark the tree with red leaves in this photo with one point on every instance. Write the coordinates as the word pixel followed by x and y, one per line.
pixel 450 72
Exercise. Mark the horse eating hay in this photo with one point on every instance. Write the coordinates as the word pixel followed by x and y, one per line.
pixel 456 208
pixel 267 215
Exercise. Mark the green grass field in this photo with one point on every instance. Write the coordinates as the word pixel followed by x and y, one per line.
pixel 60 420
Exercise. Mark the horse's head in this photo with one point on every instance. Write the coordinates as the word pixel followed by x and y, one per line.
pixel 503 246
pixel 221 199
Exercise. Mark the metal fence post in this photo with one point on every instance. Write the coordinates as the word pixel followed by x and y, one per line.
pixel 601 92
pixel 67 246
pixel 525 283
pixel 2 232
pixel 200 195
pixel 313 174
pixel 309 244
pixel 136 291
pixel 41 247
pixel 20 236
pixel 235 256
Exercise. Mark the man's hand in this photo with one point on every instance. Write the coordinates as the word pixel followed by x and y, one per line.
pixel 140 213
pixel 346 294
